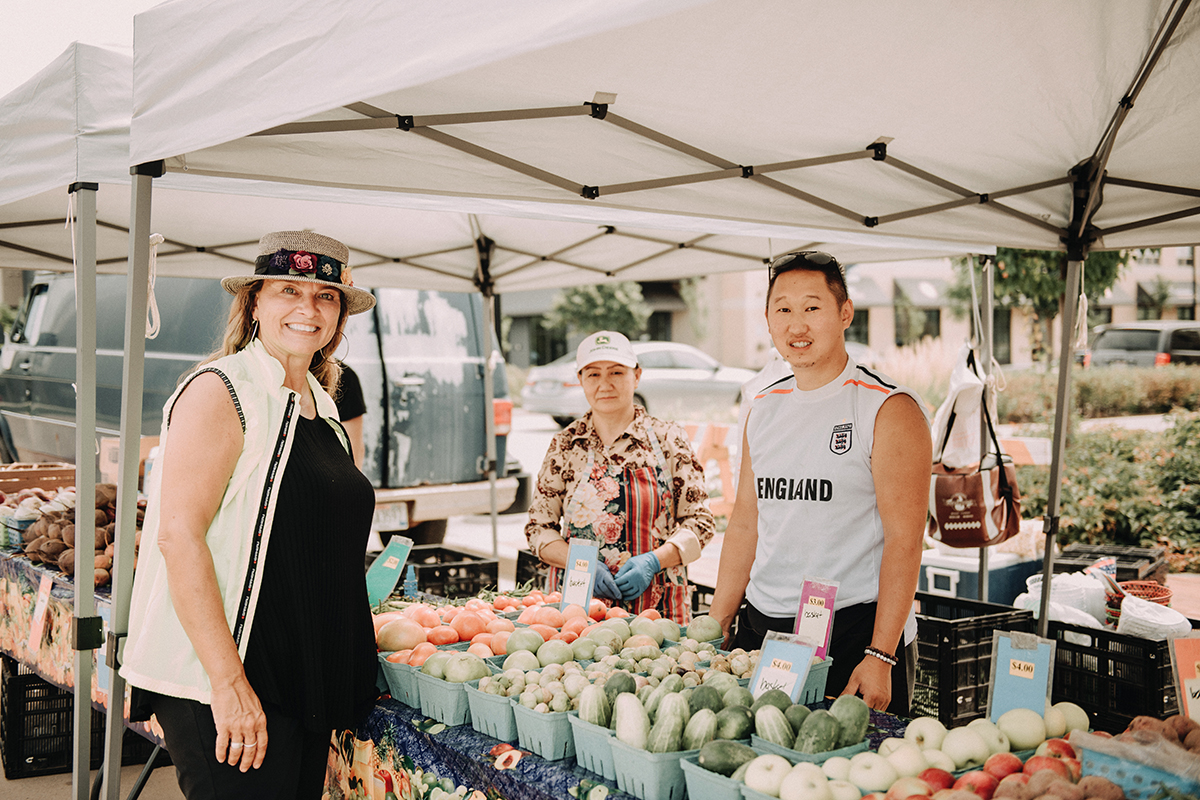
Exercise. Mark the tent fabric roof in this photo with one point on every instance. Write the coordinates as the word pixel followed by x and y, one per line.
pixel 70 123
pixel 923 292
pixel 984 109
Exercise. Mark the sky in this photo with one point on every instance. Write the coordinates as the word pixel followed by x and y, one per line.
pixel 38 31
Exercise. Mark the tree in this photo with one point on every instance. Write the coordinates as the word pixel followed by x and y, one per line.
pixel 601 307
pixel 1036 279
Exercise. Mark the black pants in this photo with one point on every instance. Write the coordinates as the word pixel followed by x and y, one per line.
pixel 852 631
pixel 294 766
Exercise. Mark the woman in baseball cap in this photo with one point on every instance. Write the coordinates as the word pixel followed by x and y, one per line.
pixel 626 480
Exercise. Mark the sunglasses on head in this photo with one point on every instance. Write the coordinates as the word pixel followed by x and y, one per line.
pixel 801 258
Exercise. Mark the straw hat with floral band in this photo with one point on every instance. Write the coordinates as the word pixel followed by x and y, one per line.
pixel 304 256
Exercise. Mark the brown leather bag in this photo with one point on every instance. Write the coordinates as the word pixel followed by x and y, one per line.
pixel 973 506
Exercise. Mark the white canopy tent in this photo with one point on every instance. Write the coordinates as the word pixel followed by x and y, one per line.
pixel 68 129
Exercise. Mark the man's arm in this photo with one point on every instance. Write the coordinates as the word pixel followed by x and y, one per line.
pixel 737 548
pixel 900 464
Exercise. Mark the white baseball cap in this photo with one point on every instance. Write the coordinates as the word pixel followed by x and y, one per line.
pixel 605 346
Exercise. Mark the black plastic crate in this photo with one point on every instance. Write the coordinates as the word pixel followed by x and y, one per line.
pixel 37 728
pixel 702 597
pixel 1112 676
pixel 954 655
pixel 1133 563
pixel 530 568
pixel 449 573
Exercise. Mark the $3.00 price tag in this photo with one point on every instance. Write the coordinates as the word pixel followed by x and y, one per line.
pixel 814 619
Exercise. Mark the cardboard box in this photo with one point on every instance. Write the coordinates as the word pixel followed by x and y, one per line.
pixel 48 476
pixel 110 455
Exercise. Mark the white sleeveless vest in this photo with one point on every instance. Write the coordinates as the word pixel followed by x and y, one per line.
pixel 817 516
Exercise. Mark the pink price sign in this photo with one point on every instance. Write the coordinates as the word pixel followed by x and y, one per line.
pixel 814 618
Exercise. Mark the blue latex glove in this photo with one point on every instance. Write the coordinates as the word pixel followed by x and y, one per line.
pixel 605 585
pixel 634 577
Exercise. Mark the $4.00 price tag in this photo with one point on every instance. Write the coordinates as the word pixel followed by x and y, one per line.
pixel 583 559
pixel 1021 665
pixel 784 664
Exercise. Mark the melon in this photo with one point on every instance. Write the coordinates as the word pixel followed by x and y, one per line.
pixel 704 629
pixel 400 634
pixel 642 626
pixel 555 651
pixel 524 639
pixel 522 660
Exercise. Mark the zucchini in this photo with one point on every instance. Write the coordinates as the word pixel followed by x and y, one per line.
pixel 724 757
pixel 630 721
pixel 700 729
pixel 819 733
pixel 594 706
pixel 770 724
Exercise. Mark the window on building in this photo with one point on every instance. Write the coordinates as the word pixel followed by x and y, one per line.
pixel 1187 256
pixel 1099 315
pixel 548 343
pixel 933 324
pixel 1187 312
pixel 857 332
pixel 659 326
pixel 1002 335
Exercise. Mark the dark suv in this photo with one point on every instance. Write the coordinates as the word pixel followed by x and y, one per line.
pixel 1145 344
pixel 417 355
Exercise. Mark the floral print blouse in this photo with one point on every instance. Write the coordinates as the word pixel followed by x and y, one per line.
pixel 687 523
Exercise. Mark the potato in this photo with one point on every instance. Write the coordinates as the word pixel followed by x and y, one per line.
pixel 54 530
pixel 66 561
pixel 110 550
pixel 34 549
pixel 1065 790
pixel 1040 782
pixel 1182 725
pixel 1192 740
pixel 103 562
pixel 31 533
pixel 1103 788
pixel 68 534
pixel 106 494
pixel 102 577
pixel 51 548
pixel 110 533
pixel 101 518
pixel 101 539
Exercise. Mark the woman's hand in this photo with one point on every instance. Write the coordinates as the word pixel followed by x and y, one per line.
pixel 241 726
pixel 635 575
pixel 605 585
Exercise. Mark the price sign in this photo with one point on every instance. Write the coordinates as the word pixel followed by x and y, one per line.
pixel 386 569
pixel 40 609
pixel 1021 673
pixel 583 559
pixel 1185 659
pixel 783 665
pixel 814 619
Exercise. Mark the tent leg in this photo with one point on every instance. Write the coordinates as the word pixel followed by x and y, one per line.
pixel 987 320
pixel 490 416
pixel 1062 419
pixel 85 625
pixel 127 481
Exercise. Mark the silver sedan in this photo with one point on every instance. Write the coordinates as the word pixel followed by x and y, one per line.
pixel 678 382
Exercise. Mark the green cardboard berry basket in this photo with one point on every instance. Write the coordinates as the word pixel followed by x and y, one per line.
pixel 650 776
pixel 548 735
pixel 444 701
pixel 703 784
pixel 402 681
pixel 492 714
pixel 593 747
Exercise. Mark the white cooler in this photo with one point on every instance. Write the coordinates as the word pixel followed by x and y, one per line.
pixel 958 576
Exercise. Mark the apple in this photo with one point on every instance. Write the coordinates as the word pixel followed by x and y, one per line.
pixel 872 795
pixel 981 783
pixel 1059 748
pixel 845 790
pixel 836 768
pixel 1037 763
pixel 937 778
pixel 1024 728
pixel 937 758
pixel 997 740
pixel 870 772
pixel 907 786
pixel 926 733
pixel 1056 721
pixel 1002 765
pixel 805 781
pixel 966 747
pixel 907 758
pixel 765 774
pixel 887 746
pixel 1076 717
pixel 1076 767
pixel 955 794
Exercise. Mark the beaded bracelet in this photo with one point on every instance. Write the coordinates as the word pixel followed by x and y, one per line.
pixel 886 658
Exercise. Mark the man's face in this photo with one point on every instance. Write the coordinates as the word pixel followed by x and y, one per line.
pixel 808 327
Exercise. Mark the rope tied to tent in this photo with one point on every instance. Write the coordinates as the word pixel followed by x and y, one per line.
pixel 153 321
pixel 1081 326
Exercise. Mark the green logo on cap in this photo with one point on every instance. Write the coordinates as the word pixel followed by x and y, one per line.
pixel 601 340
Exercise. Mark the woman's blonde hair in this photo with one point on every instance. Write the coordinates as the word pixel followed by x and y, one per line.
pixel 240 331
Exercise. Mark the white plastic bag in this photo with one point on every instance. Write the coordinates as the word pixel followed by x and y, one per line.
pixel 963 399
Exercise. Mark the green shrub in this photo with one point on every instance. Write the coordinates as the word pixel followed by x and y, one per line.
pixel 1029 397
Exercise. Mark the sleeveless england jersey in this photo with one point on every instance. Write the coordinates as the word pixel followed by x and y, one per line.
pixel 817 516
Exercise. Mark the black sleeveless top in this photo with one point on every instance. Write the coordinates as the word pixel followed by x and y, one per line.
pixel 312 645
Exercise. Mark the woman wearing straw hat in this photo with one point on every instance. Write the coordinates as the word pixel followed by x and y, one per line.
pixel 250 633
pixel 627 480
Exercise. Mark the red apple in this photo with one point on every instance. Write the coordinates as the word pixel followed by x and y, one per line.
pixel 1016 777
pixel 1104 734
pixel 980 782
pixel 1076 768
pixel 907 787
pixel 1002 764
pixel 873 796
pixel 1059 748
pixel 1037 763
pixel 937 778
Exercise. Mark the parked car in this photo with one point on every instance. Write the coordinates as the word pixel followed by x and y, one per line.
pixel 678 382
pixel 417 356
pixel 1144 344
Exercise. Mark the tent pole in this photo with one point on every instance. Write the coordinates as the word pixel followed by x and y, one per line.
pixel 985 365
pixel 483 279
pixel 85 625
pixel 132 373
pixel 1062 419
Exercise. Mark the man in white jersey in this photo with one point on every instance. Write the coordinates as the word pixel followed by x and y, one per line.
pixel 835 487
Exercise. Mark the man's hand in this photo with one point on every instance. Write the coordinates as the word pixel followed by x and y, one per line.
pixel 872 679
pixel 635 575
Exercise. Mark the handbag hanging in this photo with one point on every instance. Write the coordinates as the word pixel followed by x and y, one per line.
pixel 977 505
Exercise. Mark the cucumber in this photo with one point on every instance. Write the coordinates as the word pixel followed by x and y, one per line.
pixel 735 722
pixel 852 714
pixel 653 699
pixel 818 733
pixel 725 757
pixel 739 774
pixel 796 715
pixel 700 730
pixel 737 696
pixel 618 682
pixel 775 697
pixel 705 697
pixel 630 721
pixel 772 725
pixel 594 706
pixel 666 735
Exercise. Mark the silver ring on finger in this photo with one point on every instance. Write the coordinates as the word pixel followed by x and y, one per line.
pixel 238 745
pixel 251 745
